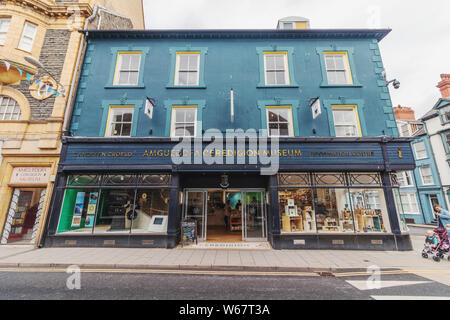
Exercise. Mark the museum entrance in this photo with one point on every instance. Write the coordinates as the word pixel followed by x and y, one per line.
pixel 227 215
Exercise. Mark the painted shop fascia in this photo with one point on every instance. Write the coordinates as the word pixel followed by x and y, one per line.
pixel 140 156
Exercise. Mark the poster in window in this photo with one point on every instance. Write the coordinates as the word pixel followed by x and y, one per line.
pixel 78 210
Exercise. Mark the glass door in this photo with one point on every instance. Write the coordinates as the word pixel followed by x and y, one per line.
pixel 195 209
pixel 254 216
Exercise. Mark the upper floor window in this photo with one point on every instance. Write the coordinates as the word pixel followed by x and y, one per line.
pixel 421 152
pixel 4 26
pixel 120 121
pixel 127 68
pixel 276 68
pixel 426 174
pixel 9 109
pixel 409 203
pixel 446 113
pixel 28 35
pixel 337 68
pixel 187 69
pixel 184 121
pixel 404 178
pixel 447 137
pixel 279 121
pixel 346 122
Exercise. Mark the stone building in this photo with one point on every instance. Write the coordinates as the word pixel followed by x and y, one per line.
pixel 40 54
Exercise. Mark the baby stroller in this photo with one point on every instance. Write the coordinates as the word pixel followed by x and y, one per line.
pixel 440 250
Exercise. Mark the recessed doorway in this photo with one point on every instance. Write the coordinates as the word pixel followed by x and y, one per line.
pixel 227 216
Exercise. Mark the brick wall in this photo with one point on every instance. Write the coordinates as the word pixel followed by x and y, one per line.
pixel 110 22
pixel 52 56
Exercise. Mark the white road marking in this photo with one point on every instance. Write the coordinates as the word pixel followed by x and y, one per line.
pixel 409 298
pixel 363 284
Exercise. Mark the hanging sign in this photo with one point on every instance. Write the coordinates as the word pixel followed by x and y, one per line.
pixel 315 108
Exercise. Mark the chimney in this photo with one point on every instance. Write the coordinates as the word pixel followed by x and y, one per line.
pixel 404 113
pixel 444 85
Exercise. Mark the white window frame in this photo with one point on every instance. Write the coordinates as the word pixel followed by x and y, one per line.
pixel 430 175
pixel 112 111
pixel 404 176
pixel 355 124
pixel 446 113
pixel 120 68
pixel 419 155
pixel 4 27
pixel 411 203
pixel 188 70
pixel 347 71
pixel 12 106
pixel 28 27
pixel 174 122
pixel 286 69
pixel 290 123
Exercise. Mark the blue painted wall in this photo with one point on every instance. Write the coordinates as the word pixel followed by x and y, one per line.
pixel 424 191
pixel 232 63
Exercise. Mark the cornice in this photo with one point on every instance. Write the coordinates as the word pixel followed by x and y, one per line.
pixel 58 10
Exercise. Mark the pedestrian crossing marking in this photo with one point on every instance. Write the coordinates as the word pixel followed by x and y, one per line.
pixel 409 298
pixel 369 285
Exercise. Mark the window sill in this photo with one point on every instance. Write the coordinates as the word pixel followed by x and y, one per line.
pixel 280 86
pixel 140 86
pixel 341 85
pixel 185 87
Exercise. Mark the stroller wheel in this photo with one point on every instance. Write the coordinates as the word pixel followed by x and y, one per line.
pixel 448 258
pixel 436 258
pixel 425 255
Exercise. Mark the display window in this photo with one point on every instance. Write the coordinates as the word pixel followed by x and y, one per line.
pixel 332 202
pixel 126 203
pixel 296 210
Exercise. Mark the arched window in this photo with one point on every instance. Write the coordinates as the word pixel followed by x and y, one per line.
pixel 9 109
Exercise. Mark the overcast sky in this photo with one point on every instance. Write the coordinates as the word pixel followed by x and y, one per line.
pixel 416 52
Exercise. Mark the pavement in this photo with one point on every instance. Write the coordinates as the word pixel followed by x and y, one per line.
pixel 219 259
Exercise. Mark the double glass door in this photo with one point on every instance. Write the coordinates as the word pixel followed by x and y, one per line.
pixel 252 211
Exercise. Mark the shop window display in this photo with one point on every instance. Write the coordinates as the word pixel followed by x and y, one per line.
pixel 332 210
pixel 115 211
pixel 369 209
pixel 296 210
pixel 92 205
pixel 151 212
pixel 78 211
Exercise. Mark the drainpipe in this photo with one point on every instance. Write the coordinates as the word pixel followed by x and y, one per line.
pixel 73 85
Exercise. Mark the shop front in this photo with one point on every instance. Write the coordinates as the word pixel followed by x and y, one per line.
pixel 325 195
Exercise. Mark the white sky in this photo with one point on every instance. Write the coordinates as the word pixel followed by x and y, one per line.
pixel 416 52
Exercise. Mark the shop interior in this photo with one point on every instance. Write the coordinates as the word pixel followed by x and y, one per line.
pixel 224 216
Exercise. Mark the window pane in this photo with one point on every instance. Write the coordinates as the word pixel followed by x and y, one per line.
pixel 114 211
pixel 369 209
pixel 192 78
pixel 283 115
pixel 280 77
pixel 270 62
pixel 284 129
pixel 135 61
pixel 296 210
pixel 78 211
pixel 127 117
pixel 273 116
pixel 271 78
pixel 339 61
pixel 180 115
pixel 332 210
pixel 133 78
pixel 190 131
pixel 151 214
pixel 126 130
pixel 193 62
pixel 340 77
pixel 329 62
pixel 183 78
pixel 123 78
pixel 183 60
pixel 125 62
pixel 118 117
pixel 190 115
pixel 279 62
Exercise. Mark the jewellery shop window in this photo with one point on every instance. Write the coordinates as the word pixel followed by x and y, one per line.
pixel 116 205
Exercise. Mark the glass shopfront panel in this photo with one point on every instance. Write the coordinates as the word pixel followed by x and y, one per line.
pixel 127 203
pixel 332 202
